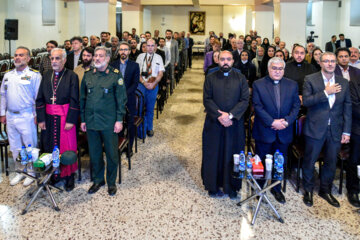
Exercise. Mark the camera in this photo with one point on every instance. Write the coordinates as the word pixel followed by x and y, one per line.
pixel 145 74
pixel 311 38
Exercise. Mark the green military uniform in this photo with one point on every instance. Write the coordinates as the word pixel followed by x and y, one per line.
pixel 102 103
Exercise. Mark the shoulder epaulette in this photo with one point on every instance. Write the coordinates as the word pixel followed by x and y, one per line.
pixel 87 69
pixel 34 70
pixel 116 70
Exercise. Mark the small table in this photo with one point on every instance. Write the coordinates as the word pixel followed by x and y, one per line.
pixel 261 192
pixel 42 179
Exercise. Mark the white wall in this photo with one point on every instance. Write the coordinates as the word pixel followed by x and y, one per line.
pixel 352 32
pixel 264 21
pixel 234 18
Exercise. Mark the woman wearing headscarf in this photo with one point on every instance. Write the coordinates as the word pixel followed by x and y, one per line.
pixel 260 52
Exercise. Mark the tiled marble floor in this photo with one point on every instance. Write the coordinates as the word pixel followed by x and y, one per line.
pixel 162 197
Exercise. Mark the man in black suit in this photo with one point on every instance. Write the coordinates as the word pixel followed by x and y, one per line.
pixel 222 40
pixel 352 180
pixel 276 103
pixel 331 45
pixel 73 59
pixel 191 44
pixel 343 42
pixel 105 40
pixel 343 68
pixel 328 124
pixel 131 72
pixel 236 53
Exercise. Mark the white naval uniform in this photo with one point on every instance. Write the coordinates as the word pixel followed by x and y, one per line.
pixel 18 94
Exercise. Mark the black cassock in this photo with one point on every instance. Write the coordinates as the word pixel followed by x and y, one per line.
pixel 66 93
pixel 229 94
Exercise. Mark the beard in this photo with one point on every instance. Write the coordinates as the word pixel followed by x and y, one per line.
pixel 86 63
pixel 225 68
pixel 100 65
pixel 123 56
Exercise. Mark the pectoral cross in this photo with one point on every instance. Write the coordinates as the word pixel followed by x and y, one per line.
pixel 53 99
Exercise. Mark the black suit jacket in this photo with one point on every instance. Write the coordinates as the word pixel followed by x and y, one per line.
pixel 236 57
pixel 191 43
pixel 329 47
pixel 318 108
pixel 132 76
pixel 347 42
pixel 355 100
pixel 353 72
pixel 266 111
pixel 70 61
pixel 107 44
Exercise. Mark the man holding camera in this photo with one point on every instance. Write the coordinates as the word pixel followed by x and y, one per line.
pixel 151 69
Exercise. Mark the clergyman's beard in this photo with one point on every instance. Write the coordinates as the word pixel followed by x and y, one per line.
pixel 86 64
pixel 225 68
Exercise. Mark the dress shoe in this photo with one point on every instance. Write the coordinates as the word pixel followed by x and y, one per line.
pixel 279 196
pixel 218 194
pixel 308 199
pixel 354 199
pixel 232 194
pixel 95 187
pixel 329 198
pixel 112 190
pixel 70 183
pixel 129 155
pixel 150 133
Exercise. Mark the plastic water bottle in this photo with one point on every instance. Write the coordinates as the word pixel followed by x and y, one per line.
pixel 29 153
pixel 276 154
pixel 242 161
pixel 56 158
pixel 248 162
pixel 23 155
pixel 280 162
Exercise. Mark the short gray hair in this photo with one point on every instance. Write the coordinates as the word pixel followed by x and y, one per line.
pixel 276 60
pixel 105 49
pixel 63 52
pixel 24 48
pixel 326 53
pixel 115 38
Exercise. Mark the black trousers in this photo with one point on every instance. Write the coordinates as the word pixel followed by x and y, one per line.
pixel 190 57
pixel 352 180
pixel 313 148
pixel 262 149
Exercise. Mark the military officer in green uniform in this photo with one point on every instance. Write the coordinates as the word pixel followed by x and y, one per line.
pixel 102 107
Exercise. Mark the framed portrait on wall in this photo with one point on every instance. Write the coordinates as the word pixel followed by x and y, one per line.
pixel 197 23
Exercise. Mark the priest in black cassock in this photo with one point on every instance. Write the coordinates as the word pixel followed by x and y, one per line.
pixel 57 109
pixel 226 98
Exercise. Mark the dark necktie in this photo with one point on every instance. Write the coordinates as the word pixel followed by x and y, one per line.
pixel 277 95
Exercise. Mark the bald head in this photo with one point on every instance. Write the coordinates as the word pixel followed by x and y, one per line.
pixel 239 44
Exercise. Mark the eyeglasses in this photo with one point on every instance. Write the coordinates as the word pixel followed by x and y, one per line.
pixel 277 68
pixel 329 61
pixel 123 50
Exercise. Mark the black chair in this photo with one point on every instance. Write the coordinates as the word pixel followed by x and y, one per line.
pixel 4 143
pixel 343 156
pixel 139 118
pixel 124 144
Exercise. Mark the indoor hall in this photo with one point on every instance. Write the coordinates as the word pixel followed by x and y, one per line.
pixel 162 196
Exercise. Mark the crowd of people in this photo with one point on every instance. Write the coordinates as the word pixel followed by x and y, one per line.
pixel 278 88
pixel 95 82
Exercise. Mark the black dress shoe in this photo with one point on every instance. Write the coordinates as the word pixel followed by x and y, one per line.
pixel 232 194
pixel 95 187
pixel 112 190
pixel 217 194
pixel 330 199
pixel 70 183
pixel 308 199
pixel 354 199
pixel 150 133
pixel 279 196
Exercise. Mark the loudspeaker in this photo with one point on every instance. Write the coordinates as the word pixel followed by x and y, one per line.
pixel 11 29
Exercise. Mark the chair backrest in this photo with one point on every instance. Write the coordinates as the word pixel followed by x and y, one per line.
pixel 140 100
pixel 300 125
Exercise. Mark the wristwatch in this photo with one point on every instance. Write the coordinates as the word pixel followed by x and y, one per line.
pixel 231 116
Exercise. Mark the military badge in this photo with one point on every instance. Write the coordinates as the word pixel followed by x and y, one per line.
pixel 121 81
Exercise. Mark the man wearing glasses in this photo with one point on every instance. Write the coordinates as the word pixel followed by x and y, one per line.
pixel 327 126
pixel 276 103
pixel 131 74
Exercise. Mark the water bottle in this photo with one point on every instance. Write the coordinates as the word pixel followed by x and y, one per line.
pixel 242 161
pixel 56 159
pixel 23 155
pixel 248 162
pixel 29 153
pixel 276 156
pixel 280 162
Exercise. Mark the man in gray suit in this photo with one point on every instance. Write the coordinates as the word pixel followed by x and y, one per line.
pixel 174 57
pixel 328 125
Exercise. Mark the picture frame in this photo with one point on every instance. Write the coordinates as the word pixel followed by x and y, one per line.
pixel 197 22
